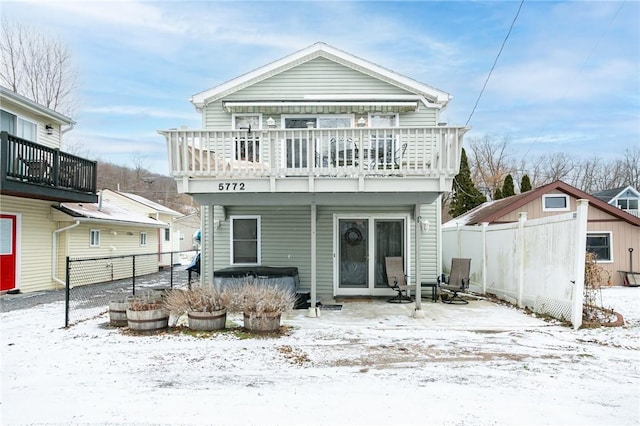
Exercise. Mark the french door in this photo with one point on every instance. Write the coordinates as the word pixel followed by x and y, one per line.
pixel 362 243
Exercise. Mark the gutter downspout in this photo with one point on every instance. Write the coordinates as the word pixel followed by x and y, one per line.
pixel 54 251
pixel 68 129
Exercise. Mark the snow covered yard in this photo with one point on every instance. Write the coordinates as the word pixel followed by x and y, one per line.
pixel 368 364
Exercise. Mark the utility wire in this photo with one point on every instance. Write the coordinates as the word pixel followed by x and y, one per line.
pixel 495 62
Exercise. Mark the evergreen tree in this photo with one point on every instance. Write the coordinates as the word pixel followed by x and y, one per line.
pixel 498 194
pixel 507 187
pixel 525 184
pixel 465 195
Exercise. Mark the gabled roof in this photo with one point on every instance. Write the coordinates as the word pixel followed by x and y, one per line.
pixel 35 107
pixel 492 210
pixel 611 194
pixel 325 51
pixel 108 212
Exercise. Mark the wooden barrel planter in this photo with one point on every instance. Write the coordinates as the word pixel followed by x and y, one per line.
pixel 118 313
pixel 207 321
pixel 263 324
pixel 153 318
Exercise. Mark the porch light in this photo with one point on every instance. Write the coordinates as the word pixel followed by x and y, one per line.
pixel 362 122
pixel 271 123
pixel 216 224
pixel 424 225
pixel 49 129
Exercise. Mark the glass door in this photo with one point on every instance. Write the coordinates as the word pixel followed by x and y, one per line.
pixel 353 268
pixel 363 243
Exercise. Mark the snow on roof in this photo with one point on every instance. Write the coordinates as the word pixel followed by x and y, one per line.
pixel 159 207
pixel 107 211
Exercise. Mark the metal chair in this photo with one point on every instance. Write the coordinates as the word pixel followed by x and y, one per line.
pixel 397 280
pixel 457 281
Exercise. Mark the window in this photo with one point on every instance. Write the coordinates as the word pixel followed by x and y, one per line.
pixel 600 244
pixel 17 126
pixel 555 202
pixel 247 148
pixel 143 238
pixel 628 204
pixel 245 240
pixel 383 120
pixel 167 234
pixel 295 148
pixel 94 238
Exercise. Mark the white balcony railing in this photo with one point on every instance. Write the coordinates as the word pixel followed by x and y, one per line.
pixel 219 154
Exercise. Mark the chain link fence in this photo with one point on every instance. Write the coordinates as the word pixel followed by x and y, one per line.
pixel 91 283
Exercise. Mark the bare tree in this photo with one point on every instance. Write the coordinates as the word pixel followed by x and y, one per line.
pixel 490 163
pixel 37 67
pixel 631 166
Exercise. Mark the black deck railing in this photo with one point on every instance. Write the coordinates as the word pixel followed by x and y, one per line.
pixel 29 162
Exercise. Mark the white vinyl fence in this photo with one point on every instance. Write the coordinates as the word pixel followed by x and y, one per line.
pixel 538 264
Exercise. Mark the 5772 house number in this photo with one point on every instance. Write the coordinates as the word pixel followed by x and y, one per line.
pixel 235 186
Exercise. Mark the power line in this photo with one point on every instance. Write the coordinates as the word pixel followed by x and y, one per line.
pixel 495 62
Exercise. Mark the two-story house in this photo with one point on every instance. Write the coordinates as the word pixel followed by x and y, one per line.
pixel 322 161
pixel 625 198
pixel 34 176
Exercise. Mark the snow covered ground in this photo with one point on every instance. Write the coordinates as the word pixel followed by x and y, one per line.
pixel 367 364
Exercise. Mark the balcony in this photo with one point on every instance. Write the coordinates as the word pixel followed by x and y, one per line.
pixel 315 160
pixel 30 170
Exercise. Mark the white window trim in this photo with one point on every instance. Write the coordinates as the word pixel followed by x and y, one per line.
pixel 246 114
pixel 21 117
pixel 259 242
pixel 143 243
pixel 351 117
pixel 91 233
pixel 552 209
pixel 397 118
pixel 610 234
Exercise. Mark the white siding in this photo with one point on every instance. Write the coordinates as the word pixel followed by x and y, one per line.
pixel 35 249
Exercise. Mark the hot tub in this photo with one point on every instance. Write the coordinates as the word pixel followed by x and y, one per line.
pixel 286 277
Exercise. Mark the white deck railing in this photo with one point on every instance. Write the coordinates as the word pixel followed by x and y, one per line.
pixel 421 151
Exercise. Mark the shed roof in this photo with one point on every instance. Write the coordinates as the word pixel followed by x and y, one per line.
pixel 492 210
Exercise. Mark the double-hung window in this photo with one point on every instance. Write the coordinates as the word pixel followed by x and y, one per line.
pixel 245 240
pixel 143 238
pixel 599 243
pixel 94 238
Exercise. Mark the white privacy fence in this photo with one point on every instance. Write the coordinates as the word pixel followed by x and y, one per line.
pixel 538 264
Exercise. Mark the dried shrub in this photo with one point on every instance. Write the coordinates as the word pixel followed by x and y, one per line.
pixel 261 300
pixel 144 302
pixel 199 299
pixel 595 277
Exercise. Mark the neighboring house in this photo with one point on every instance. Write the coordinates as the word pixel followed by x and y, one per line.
pixel 611 232
pixel 167 239
pixel 105 229
pixel 185 227
pixel 34 176
pixel 626 198
pixel 322 161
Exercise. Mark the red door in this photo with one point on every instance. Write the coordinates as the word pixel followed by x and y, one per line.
pixel 7 252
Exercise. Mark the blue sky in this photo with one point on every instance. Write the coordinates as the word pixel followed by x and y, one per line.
pixel 568 79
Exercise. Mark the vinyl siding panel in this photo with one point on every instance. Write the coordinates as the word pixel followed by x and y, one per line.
pixel 34 250
pixel 286 235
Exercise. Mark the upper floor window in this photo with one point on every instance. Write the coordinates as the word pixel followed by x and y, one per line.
pixel 555 202
pixel 94 238
pixel 143 238
pixel 599 243
pixel 245 240
pixel 247 121
pixel 383 120
pixel 167 234
pixel 628 203
pixel 327 121
pixel 18 126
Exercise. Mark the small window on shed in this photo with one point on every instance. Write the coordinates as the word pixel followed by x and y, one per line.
pixel 143 238
pixel 94 238
pixel 555 202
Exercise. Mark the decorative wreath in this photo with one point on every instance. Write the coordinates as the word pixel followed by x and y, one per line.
pixel 353 236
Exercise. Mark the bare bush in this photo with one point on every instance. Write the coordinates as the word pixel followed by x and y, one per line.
pixel 200 299
pixel 261 300
pixel 145 302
